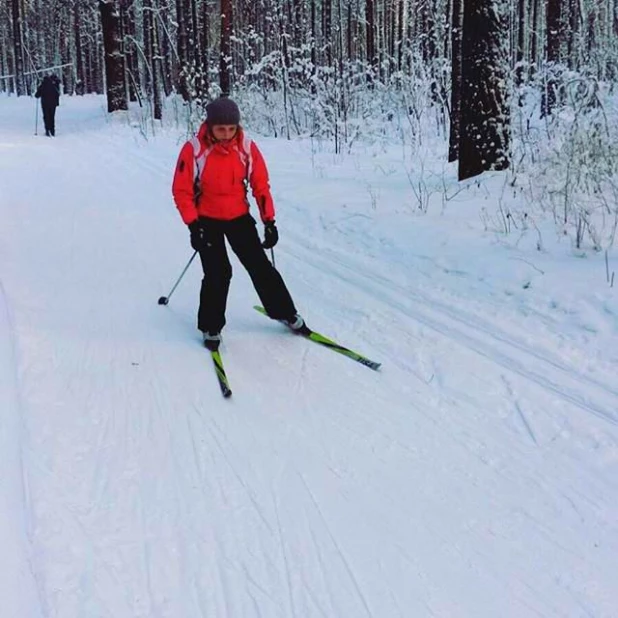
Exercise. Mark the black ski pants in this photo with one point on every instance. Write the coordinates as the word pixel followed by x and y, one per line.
pixel 49 118
pixel 243 238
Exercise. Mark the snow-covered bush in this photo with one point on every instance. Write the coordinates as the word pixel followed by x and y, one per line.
pixel 345 105
pixel 567 162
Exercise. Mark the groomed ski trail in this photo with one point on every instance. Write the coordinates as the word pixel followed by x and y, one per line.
pixel 473 462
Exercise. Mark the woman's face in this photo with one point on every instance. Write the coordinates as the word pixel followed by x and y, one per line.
pixel 224 132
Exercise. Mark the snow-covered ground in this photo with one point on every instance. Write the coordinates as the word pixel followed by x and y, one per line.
pixel 475 475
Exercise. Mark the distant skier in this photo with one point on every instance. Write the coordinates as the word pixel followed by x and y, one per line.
pixel 49 93
pixel 210 185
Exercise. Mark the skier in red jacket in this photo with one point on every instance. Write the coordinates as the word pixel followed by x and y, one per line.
pixel 210 185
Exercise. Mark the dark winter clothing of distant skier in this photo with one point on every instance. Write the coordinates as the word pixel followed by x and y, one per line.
pixel 213 173
pixel 49 93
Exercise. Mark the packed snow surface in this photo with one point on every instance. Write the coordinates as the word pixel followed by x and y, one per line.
pixel 474 476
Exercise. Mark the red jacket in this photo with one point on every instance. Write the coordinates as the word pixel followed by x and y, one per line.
pixel 225 169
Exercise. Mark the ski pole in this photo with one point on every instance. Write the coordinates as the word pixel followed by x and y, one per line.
pixel 36 117
pixel 272 255
pixel 166 299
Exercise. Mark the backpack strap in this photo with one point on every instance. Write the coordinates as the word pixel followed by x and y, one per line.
pixel 245 155
pixel 200 154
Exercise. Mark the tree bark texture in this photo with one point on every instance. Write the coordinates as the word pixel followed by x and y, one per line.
pixel 18 52
pixel 114 65
pixel 455 121
pixel 225 55
pixel 553 36
pixel 484 134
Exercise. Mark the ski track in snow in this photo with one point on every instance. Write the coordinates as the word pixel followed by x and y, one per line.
pixel 498 347
pixel 472 462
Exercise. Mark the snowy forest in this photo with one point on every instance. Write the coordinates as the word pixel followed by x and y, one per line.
pixel 537 76
pixel 444 180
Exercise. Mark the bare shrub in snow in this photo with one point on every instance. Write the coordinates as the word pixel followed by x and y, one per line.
pixel 568 162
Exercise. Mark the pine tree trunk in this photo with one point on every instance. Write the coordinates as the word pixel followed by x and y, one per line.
pixel 520 53
pixel 79 55
pixel 400 30
pixel 167 60
pixel 206 44
pixel 327 31
pixel 370 35
pixel 195 47
pixel 534 36
pixel 456 30
pixel 553 55
pixel 484 134
pixel 130 50
pixel 114 65
pixel 156 70
pixel 17 49
pixel 314 42
pixel 182 48
pixel 226 47
pixel 299 22
pixel 147 28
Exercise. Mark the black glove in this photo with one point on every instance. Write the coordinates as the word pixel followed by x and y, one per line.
pixel 198 235
pixel 271 236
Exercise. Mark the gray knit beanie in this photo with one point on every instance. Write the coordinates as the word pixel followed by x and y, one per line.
pixel 222 111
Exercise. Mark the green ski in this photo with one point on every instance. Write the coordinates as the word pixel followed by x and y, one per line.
pixel 329 343
pixel 226 391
